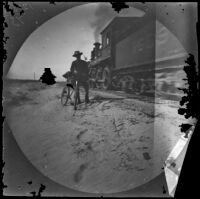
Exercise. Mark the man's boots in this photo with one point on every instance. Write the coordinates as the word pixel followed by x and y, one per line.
pixel 87 99
pixel 79 100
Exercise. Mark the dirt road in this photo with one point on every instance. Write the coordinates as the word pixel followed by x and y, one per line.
pixel 113 144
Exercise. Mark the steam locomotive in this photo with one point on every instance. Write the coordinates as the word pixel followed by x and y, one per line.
pixel 137 54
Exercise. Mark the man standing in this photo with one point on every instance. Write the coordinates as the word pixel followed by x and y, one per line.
pixel 79 69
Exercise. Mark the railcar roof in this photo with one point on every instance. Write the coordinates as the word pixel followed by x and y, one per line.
pixel 139 21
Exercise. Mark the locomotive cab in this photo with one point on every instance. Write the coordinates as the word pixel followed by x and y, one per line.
pixel 103 58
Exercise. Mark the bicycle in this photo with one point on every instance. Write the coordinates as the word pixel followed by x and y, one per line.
pixel 70 89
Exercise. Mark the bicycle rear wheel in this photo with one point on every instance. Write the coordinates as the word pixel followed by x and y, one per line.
pixel 66 95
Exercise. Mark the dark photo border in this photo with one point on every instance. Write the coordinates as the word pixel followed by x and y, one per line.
pixel 188 180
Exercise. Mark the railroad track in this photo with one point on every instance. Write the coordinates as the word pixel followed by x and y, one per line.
pixel 162 97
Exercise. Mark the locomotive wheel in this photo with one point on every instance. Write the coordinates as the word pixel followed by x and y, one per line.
pixel 98 77
pixel 106 78
pixel 91 84
pixel 98 85
pixel 127 82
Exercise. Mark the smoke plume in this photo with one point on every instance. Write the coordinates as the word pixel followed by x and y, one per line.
pixel 104 14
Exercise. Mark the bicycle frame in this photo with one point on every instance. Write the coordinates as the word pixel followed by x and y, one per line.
pixel 71 83
pixel 75 94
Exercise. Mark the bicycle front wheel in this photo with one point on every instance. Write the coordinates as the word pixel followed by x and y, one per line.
pixel 75 99
pixel 66 95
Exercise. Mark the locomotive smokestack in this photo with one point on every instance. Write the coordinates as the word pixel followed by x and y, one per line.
pixel 97 45
pixel 97 49
pixel 92 55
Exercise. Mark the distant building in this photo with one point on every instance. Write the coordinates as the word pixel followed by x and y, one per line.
pixel 47 77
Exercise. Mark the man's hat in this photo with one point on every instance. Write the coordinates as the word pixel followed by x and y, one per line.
pixel 77 53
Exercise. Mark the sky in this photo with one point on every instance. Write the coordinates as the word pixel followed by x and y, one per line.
pixel 52 44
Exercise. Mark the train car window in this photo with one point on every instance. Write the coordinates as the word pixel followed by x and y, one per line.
pixel 103 41
pixel 107 39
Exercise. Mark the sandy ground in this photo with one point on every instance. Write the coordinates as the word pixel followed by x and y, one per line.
pixel 115 143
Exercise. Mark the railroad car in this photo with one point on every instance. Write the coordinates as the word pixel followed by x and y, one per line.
pixel 137 54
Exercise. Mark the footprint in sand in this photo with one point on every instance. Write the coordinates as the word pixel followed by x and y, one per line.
pixel 81 133
pixel 79 173
pixel 146 156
